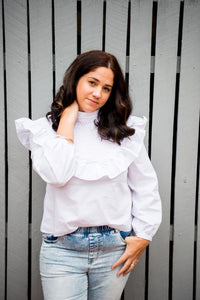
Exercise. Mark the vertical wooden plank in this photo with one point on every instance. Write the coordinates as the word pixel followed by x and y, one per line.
pixel 139 87
pixel 18 176
pixel 41 56
pixel 2 164
pixel 116 29
pixel 186 159
pixel 65 37
pixel 41 98
pixel 140 55
pixel 91 25
pixel 162 138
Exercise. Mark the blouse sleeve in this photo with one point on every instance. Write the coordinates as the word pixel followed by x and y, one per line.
pixel 53 158
pixel 146 203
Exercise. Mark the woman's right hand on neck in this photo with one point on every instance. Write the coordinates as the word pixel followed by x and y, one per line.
pixel 67 121
pixel 70 113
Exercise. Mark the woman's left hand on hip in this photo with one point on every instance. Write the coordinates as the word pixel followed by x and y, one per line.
pixel 134 249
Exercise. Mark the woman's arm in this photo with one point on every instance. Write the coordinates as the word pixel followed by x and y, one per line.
pixel 146 210
pixel 53 158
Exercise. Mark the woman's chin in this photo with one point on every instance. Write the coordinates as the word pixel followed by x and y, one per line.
pixel 87 109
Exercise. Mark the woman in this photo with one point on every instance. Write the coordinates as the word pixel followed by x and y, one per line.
pixel 101 185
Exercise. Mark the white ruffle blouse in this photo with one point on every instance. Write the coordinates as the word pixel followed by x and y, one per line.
pixel 93 182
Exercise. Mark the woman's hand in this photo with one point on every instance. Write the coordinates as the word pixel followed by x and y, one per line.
pixel 134 249
pixel 67 121
pixel 70 113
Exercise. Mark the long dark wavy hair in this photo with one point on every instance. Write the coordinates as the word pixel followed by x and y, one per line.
pixel 112 117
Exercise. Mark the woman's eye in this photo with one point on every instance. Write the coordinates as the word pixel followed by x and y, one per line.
pixel 107 89
pixel 92 82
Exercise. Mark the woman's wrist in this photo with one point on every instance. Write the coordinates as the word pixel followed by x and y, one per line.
pixel 67 122
pixel 66 129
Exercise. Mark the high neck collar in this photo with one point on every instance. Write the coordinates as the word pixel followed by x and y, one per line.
pixel 84 117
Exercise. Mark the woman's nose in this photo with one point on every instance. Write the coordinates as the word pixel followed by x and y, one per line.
pixel 97 92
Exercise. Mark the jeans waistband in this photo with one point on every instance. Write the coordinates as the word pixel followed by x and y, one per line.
pixel 99 229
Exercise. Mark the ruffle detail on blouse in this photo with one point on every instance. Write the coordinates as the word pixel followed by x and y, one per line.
pixel 117 159
pixel 31 132
pixel 109 163
pixel 132 145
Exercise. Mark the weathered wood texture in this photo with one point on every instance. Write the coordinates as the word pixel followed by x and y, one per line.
pixel 139 86
pixel 18 162
pixel 140 56
pixel 116 29
pixel 2 169
pixel 41 68
pixel 65 21
pixel 162 138
pixel 186 154
pixel 158 46
pixel 91 25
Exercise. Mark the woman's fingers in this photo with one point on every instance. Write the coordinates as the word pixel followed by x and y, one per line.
pixel 126 266
pixel 131 267
pixel 134 249
pixel 127 258
pixel 70 113
pixel 120 260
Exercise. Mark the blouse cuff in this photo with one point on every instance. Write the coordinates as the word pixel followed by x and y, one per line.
pixel 144 230
pixel 68 139
pixel 144 236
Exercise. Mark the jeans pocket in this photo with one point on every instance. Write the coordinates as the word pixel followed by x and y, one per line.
pixel 123 235
pixel 49 238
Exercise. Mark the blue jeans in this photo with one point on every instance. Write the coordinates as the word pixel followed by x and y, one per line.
pixel 77 266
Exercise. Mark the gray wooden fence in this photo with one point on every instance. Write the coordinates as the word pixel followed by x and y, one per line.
pixel 158 46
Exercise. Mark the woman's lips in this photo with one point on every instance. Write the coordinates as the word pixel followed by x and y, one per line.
pixel 92 101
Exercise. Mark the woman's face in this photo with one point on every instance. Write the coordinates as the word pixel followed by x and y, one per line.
pixel 94 88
